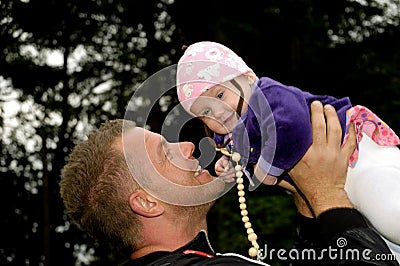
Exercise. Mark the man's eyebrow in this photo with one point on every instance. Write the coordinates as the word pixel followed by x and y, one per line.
pixel 160 149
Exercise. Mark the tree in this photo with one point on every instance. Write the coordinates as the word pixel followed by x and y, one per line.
pixel 103 51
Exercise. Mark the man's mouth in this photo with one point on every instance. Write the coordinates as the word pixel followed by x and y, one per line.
pixel 198 171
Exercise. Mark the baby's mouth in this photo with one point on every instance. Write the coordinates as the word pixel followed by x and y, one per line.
pixel 226 120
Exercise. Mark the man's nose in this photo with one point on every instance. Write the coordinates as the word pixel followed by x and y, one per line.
pixel 186 149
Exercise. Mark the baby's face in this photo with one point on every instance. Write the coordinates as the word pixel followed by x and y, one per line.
pixel 217 106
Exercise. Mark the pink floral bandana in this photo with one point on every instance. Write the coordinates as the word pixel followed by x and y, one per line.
pixel 204 65
pixel 366 121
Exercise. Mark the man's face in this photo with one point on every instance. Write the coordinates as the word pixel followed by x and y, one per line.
pixel 169 171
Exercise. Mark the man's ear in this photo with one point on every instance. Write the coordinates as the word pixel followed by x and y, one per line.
pixel 145 205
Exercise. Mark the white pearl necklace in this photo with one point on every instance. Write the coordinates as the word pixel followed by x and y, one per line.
pixel 251 236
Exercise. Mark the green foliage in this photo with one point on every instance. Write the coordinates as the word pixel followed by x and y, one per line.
pixel 271 211
pixel 102 59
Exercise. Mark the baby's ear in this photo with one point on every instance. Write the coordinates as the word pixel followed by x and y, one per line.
pixel 251 77
pixel 145 205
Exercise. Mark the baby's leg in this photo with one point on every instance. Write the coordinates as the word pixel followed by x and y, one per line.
pixel 373 186
pixel 376 194
pixel 394 248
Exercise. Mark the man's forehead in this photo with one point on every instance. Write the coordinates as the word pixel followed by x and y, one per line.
pixel 139 145
pixel 140 137
pixel 137 132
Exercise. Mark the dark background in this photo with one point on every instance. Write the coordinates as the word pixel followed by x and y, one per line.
pixel 341 48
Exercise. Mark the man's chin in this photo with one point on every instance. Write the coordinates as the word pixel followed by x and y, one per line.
pixel 205 177
pixel 195 213
pixel 174 194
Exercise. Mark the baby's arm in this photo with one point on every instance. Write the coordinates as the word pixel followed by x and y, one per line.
pixel 285 129
pixel 264 177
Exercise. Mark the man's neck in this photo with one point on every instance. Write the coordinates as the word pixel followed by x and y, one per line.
pixel 168 237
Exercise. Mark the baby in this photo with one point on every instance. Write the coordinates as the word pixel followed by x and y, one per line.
pixel 268 123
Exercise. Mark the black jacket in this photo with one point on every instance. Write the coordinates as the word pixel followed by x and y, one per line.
pixel 338 237
pixel 346 235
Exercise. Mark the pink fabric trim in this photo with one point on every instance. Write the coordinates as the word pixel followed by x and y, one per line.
pixel 366 121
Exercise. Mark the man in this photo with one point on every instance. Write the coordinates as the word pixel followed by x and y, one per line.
pixel 128 202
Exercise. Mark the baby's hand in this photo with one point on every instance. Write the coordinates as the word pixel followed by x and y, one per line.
pixel 221 165
pixel 224 169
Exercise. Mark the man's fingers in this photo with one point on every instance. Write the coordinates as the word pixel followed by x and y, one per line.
pixel 318 123
pixel 334 133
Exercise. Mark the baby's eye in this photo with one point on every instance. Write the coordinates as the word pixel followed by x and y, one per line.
pixel 206 112
pixel 219 96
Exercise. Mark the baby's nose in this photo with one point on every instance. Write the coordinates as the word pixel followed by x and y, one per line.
pixel 218 113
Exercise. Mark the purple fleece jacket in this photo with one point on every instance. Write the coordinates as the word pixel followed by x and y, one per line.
pixel 275 131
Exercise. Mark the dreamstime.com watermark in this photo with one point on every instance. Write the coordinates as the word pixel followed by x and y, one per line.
pixel 340 252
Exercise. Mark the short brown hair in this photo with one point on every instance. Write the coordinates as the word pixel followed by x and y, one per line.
pixel 96 184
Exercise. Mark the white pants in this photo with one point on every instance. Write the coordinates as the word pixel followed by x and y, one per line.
pixel 394 248
pixel 373 187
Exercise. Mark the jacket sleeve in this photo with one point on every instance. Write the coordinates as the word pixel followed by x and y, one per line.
pixel 346 234
pixel 339 237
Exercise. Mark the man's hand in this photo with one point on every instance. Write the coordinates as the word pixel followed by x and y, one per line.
pixel 321 174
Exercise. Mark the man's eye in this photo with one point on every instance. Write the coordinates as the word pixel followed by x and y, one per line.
pixel 168 155
pixel 219 96
pixel 206 112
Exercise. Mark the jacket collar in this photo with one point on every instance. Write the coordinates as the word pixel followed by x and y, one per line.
pixel 199 243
